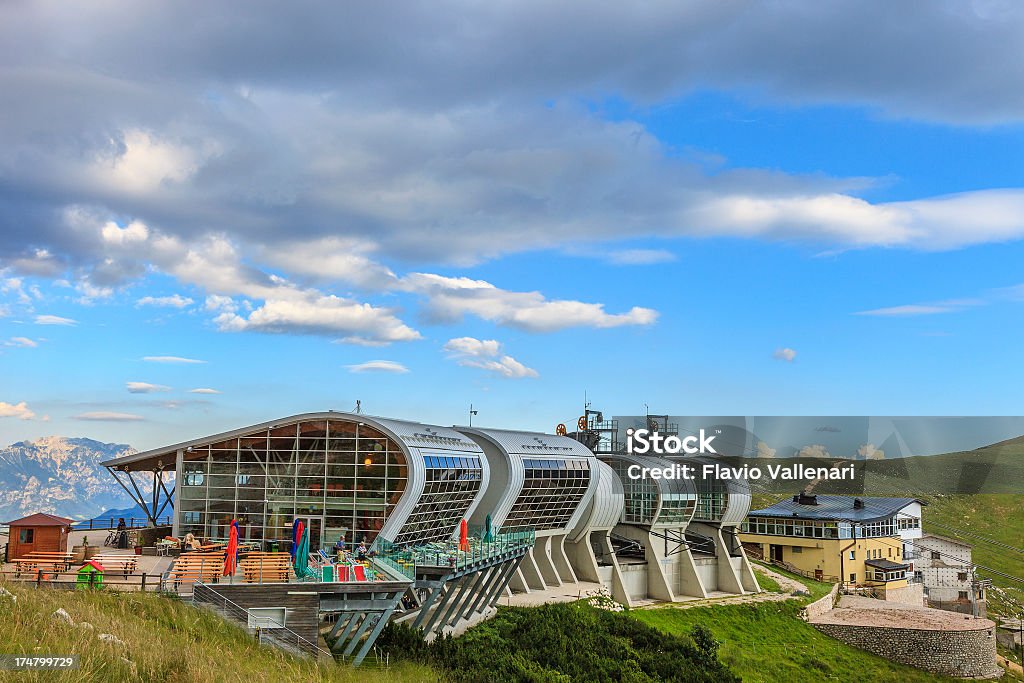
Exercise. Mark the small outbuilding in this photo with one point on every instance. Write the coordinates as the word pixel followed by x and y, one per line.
pixel 90 576
pixel 38 533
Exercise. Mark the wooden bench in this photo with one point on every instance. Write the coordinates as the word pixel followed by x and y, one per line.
pixel 26 564
pixel 192 567
pixel 266 567
pixel 117 563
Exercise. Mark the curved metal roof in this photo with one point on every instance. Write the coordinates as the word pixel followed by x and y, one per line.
pixel 606 506
pixel 536 444
pixel 410 434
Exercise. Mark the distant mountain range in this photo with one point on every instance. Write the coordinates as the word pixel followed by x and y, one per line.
pixel 60 476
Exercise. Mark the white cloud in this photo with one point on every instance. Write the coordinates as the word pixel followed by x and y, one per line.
pixel 764 450
pixel 314 313
pixel 107 416
pixel 448 299
pixel 813 451
pixel 784 354
pixel 908 310
pixel 23 342
pixel 54 320
pixel 173 360
pixel 203 390
pixel 379 366
pixel 484 354
pixel 174 301
pixel 640 257
pixel 135 232
pixel 145 388
pixel 18 410
pixel 869 452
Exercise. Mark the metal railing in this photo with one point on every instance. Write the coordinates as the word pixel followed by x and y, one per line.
pixel 130 522
pixel 446 554
pixel 277 634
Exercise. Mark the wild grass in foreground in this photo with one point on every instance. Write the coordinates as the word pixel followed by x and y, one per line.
pixel 164 640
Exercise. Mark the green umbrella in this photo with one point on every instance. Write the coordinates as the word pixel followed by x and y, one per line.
pixel 302 557
pixel 488 533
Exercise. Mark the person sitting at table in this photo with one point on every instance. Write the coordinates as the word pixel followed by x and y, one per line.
pixel 361 551
pixel 189 542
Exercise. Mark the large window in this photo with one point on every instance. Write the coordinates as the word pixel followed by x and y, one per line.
pixel 553 489
pixel 344 478
pixel 452 482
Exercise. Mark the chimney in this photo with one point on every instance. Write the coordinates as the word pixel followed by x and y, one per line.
pixel 858 504
pixel 806 499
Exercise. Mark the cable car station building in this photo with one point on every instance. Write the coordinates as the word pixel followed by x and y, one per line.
pixel 562 514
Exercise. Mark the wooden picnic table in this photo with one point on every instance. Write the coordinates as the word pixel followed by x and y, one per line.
pixel 32 564
pixel 119 563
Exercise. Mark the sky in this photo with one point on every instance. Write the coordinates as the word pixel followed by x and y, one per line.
pixel 212 216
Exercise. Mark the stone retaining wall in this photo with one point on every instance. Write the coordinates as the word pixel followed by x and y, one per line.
pixel 965 654
pixel 822 605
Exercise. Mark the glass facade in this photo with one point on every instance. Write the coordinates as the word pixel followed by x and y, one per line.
pixel 642 495
pixel 800 528
pixel 552 490
pixel 712 499
pixel 341 477
pixel 451 484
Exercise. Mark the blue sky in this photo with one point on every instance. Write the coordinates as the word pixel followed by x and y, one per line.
pixel 702 210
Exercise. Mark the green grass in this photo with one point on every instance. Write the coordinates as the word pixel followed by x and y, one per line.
pixel 767 642
pixel 166 641
pixel 817 589
pixel 767 583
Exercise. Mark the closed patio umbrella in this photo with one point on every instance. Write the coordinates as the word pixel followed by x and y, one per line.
pixel 302 554
pixel 231 559
pixel 464 536
pixel 488 532
pixel 295 538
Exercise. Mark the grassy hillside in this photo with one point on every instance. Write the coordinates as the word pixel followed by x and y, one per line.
pixel 998 468
pixel 767 642
pixel 165 640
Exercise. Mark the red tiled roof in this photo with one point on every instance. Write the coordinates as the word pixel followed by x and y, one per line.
pixel 41 519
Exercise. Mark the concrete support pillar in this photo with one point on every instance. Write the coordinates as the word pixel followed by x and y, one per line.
pixel 531 572
pixel 561 562
pixel 518 583
pixel 542 555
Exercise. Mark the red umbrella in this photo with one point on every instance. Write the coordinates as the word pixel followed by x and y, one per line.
pixel 463 536
pixel 231 561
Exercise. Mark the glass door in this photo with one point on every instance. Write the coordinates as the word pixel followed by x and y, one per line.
pixel 315 525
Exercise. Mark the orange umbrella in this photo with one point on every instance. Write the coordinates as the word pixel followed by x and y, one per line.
pixel 231 561
pixel 463 536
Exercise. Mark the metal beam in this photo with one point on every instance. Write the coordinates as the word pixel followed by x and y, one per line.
pixel 135 499
pixel 466 584
pixel 497 571
pixel 425 607
pixel 359 633
pixel 142 502
pixel 485 576
pixel 372 638
pixel 442 607
pixel 342 619
pixel 496 591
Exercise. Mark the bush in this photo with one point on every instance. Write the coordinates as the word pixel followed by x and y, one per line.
pixel 565 643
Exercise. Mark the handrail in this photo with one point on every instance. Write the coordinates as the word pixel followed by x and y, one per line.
pixel 243 615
